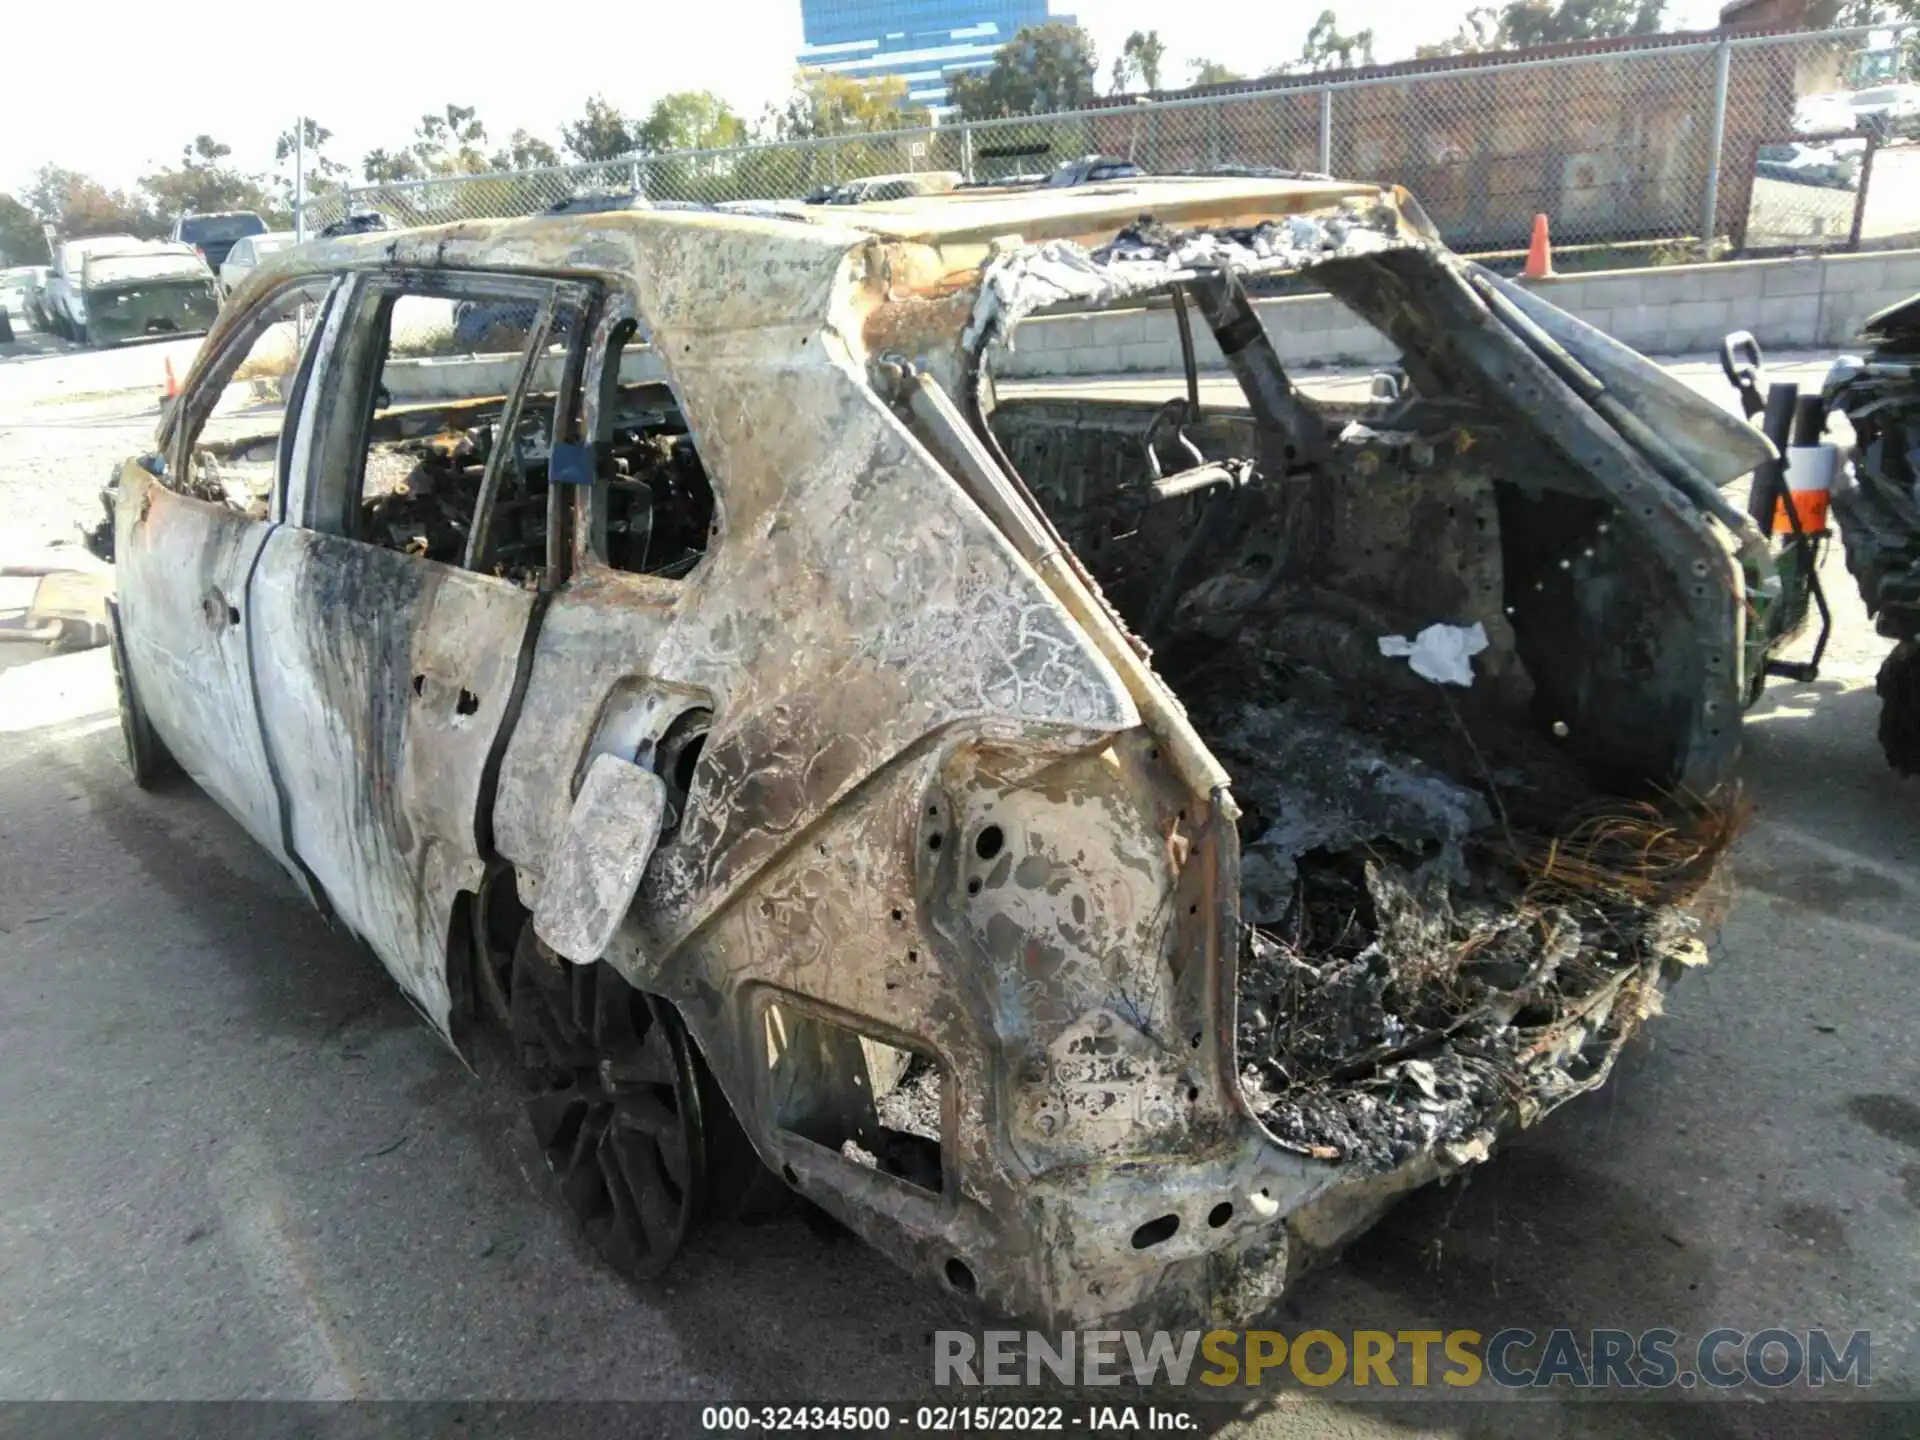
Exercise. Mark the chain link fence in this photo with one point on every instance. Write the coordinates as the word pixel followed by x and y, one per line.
pixel 1658 150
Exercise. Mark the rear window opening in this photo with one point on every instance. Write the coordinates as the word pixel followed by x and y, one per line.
pixel 427 460
pixel 654 507
pixel 1454 900
pixel 872 1103
pixel 659 502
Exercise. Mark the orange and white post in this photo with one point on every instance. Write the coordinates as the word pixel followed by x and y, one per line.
pixel 1809 487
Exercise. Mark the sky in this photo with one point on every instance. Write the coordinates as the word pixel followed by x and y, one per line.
pixel 146 79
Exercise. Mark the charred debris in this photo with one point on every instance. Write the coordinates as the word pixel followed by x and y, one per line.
pixel 1455 909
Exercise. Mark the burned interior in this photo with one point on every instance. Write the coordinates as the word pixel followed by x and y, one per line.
pixel 1458 900
pixel 426 463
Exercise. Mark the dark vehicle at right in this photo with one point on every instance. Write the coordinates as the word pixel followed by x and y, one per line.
pixel 216 233
pixel 358 222
pixel 1875 500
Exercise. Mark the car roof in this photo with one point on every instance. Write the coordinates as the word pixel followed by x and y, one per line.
pixel 1091 213
pixel 789 267
pixel 1096 210
pixel 84 244
pixel 184 254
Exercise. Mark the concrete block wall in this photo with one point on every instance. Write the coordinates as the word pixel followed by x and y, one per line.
pixel 460 377
pixel 1817 302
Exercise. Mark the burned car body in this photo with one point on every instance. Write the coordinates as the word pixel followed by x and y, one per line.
pixel 158 290
pixel 997 817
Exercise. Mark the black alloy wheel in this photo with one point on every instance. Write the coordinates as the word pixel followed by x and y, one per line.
pixel 615 1102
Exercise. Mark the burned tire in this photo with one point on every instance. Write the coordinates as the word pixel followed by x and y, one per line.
pixel 146 755
pixel 615 1102
pixel 1898 685
pixel 499 922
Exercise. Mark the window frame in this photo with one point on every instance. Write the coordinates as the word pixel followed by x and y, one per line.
pixel 359 352
pixel 186 420
pixel 599 392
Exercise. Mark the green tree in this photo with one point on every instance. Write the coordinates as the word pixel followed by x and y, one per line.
pixel 691 120
pixel 602 133
pixel 524 152
pixel 1042 69
pixel 203 180
pixel 384 166
pixel 1211 72
pixel 1327 47
pixel 323 174
pixel 823 103
pixel 21 241
pixel 1525 23
pixel 1139 62
pixel 448 141
pixel 1479 31
pixel 79 205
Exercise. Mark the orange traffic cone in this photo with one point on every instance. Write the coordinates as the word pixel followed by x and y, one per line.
pixel 1539 251
pixel 173 386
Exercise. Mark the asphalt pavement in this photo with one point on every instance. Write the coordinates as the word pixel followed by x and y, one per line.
pixel 237 1166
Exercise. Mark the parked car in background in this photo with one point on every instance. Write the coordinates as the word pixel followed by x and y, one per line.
pixel 249 252
pixel 1836 165
pixel 1091 170
pixel 65 309
pixel 214 234
pixel 599 204
pixel 360 222
pixel 1828 113
pixel 1891 109
pixel 1088 170
pixel 156 290
pixel 888 187
pixel 17 289
pixel 36 297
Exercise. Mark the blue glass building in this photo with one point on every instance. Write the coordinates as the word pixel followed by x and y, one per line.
pixel 922 41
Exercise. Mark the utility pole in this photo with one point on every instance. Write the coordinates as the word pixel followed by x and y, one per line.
pixel 300 180
pixel 1717 142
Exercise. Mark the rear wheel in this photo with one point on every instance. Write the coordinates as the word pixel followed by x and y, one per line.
pixel 616 1104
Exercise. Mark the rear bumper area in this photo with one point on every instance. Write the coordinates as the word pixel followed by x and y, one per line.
pixel 1215 1239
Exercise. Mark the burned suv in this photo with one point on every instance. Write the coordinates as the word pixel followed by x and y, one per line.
pixel 1101 851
